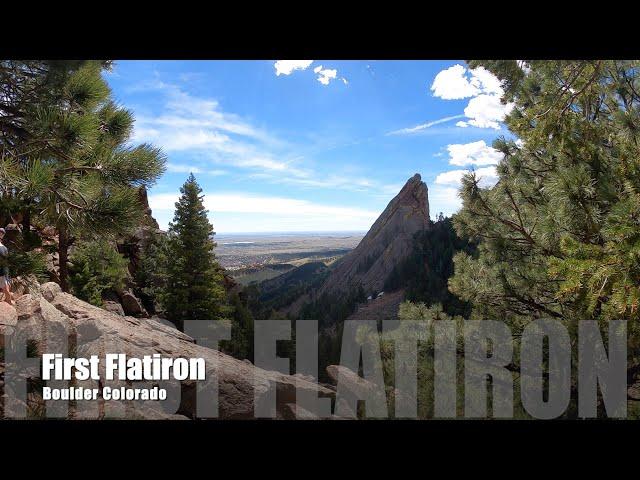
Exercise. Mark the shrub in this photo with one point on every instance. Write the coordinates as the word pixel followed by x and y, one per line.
pixel 151 276
pixel 97 267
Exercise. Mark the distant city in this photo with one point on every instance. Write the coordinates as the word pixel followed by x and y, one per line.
pixel 260 256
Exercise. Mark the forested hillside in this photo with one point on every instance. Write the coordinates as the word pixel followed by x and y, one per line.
pixel 425 274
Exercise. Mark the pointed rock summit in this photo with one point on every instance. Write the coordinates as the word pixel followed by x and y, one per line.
pixel 387 244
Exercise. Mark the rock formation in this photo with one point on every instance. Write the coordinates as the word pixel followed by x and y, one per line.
pixel 132 246
pixel 387 244
pixel 47 308
pixel 384 307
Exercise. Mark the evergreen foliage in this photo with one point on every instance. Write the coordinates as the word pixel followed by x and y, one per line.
pixel 241 343
pixel 332 309
pixel 97 268
pixel 425 273
pixel 65 156
pixel 195 283
pixel 151 277
pixel 560 231
pixel 269 296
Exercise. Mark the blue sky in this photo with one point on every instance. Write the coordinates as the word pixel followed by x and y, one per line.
pixel 311 145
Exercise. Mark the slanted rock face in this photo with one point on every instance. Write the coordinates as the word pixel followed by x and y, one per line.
pixel 131 305
pixel 144 201
pixel 8 320
pixel 381 308
pixel 132 245
pixel 388 242
pixel 95 331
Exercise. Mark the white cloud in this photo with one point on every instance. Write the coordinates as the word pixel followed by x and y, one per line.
pixel 417 128
pixel 452 177
pixel 484 109
pixel 474 153
pixel 487 177
pixel 451 84
pixel 286 67
pixel 277 212
pixel 486 82
pixel 325 75
pixel 443 195
pixel 456 83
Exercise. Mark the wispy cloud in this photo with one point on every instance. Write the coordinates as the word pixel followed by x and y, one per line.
pixel 276 212
pixel 241 202
pixel 177 168
pixel 193 124
pixel 219 142
pixel 181 168
pixel 332 181
pixel 418 128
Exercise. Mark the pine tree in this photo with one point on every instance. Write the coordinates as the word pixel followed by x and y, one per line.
pixel 241 343
pixel 97 268
pixel 65 157
pixel 195 287
pixel 151 276
pixel 560 231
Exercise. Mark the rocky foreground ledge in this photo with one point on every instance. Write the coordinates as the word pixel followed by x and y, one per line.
pixel 46 308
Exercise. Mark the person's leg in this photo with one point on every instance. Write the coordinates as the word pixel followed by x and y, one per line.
pixel 6 290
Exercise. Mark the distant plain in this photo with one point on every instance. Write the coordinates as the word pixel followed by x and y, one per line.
pixel 256 257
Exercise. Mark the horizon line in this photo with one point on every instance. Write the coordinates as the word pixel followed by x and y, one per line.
pixel 289 232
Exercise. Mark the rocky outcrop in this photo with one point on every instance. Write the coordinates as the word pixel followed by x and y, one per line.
pixel 148 214
pixel 384 307
pixel 131 305
pixel 133 245
pixel 104 332
pixel 387 244
pixel 8 321
pixel 113 307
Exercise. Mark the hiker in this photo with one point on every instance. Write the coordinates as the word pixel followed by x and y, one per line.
pixel 5 284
